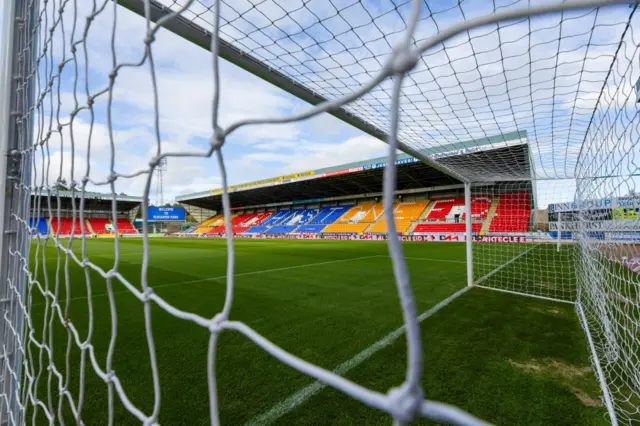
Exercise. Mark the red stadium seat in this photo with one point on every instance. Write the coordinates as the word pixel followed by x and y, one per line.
pixel 513 213
pixel 99 225
pixel 65 226
pixel 446 227
pixel 125 227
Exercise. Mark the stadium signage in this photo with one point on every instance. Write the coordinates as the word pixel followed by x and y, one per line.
pixel 499 239
pixel 428 236
pixel 271 181
pixel 342 172
pixel 627 202
pixel 166 214
pixel 620 202
pixel 471 150
pixel 382 237
pixel 586 205
pixel 384 164
pixel 340 236
pixel 599 225
pixel 622 236
pixel 433 238
pixel 291 236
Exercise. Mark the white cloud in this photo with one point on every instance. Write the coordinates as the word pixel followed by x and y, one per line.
pixel 307 156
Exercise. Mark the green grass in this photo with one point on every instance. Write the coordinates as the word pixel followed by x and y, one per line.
pixel 505 358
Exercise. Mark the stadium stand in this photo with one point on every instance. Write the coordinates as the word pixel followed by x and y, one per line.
pixel 240 223
pixel 329 215
pixel 250 219
pixel 201 230
pixel 444 215
pixel 310 229
pixel 208 224
pixel 362 213
pixel 442 208
pixel 214 221
pixel 98 225
pixel 125 227
pixel 404 214
pixel 300 216
pixel 39 226
pixel 356 213
pixel 281 229
pixel 277 218
pixel 239 229
pixel 373 214
pixel 349 228
pixel 513 213
pixel 221 229
pixel 65 226
pixel 446 227
pixel 357 219
pixel 256 230
pixel 479 208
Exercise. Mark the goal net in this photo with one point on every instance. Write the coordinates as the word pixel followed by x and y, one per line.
pixel 517 247
pixel 559 77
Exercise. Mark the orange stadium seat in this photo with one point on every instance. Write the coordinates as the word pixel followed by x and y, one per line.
pixel 404 214
pixel 346 228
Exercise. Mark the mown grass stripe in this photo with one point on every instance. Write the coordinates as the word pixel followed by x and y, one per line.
pixel 294 401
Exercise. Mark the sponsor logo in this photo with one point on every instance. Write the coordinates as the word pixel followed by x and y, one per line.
pixel 499 239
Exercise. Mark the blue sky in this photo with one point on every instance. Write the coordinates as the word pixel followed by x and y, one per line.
pixel 532 75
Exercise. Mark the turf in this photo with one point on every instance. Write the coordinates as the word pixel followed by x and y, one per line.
pixel 508 359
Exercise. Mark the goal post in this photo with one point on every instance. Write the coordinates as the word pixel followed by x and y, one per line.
pixel 468 232
pixel 537 142
pixel 18 56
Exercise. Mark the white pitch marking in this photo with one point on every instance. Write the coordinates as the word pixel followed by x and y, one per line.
pixel 294 401
pixel 503 265
pixel 436 260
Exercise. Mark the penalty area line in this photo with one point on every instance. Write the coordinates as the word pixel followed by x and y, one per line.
pixel 490 274
pixel 294 401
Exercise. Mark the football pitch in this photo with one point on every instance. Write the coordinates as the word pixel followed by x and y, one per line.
pixel 505 358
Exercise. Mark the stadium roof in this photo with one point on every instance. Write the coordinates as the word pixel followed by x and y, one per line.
pixel 509 152
pixel 92 200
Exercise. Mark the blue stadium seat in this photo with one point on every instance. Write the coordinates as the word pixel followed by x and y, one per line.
pixel 40 225
pixel 278 218
pixel 256 230
pixel 300 216
pixel 281 229
pixel 311 229
pixel 330 214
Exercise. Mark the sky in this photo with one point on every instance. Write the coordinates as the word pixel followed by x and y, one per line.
pixel 539 75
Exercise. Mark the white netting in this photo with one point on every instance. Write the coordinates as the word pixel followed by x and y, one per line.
pixel 516 249
pixel 537 75
pixel 428 76
pixel 608 262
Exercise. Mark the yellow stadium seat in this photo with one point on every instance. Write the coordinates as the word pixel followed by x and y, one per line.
pixel 346 228
pixel 374 213
pixel 348 216
pixel 404 214
pixel 208 224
